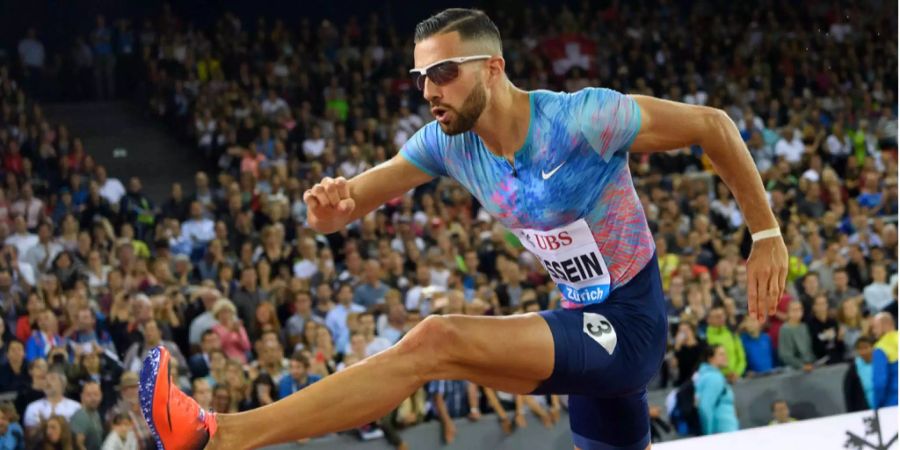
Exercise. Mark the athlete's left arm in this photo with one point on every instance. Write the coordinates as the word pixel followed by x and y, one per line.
pixel 667 125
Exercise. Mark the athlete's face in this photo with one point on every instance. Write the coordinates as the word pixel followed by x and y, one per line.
pixel 455 104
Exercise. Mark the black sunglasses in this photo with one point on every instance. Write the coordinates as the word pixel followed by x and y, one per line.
pixel 443 71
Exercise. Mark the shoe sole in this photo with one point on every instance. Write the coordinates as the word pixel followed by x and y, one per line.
pixel 149 376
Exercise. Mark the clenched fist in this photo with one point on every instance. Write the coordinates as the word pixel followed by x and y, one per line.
pixel 329 205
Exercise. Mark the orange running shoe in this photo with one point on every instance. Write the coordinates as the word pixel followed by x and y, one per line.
pixel 176 420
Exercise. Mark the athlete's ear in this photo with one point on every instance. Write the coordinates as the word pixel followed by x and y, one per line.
pixel 496 69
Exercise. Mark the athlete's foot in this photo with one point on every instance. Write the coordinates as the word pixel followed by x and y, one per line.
pixel 176 420
pixel 506 425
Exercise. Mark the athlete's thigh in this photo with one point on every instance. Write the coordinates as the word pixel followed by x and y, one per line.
pixel 509 353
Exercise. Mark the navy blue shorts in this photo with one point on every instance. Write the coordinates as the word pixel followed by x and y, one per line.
pixel 604 356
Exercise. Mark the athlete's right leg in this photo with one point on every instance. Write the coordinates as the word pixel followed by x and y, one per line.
pixel 513 354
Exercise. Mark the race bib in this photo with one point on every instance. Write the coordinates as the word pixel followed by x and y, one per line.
pixel 572 258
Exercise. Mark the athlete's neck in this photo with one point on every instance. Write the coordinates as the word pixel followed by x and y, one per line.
pixel 503 126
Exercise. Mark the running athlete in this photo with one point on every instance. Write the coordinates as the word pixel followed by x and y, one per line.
pixel 553 168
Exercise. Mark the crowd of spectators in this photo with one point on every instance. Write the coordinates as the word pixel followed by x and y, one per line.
pixel 254 305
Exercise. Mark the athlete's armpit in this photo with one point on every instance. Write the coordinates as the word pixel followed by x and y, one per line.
pixel 668 125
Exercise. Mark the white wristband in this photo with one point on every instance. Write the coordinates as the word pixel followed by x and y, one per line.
pixel 766 234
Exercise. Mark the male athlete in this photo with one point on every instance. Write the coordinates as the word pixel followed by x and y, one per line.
pixel 553 168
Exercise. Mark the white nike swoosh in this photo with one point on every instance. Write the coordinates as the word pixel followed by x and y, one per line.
pixel 547 175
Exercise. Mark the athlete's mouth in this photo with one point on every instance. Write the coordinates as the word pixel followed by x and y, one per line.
pixel 441 114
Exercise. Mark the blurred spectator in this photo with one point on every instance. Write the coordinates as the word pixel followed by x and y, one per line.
pixel 688 351
pixel 206 299
pixel 884 361
pixel 337 317
pixel 715 398
pixel 129 404
pixel 87 426
pixel 371 290
pixel 232 335
pixel 852 325
pixel 794 342
pixel 13 372
pixel 781 413
pixel 12 436
pixel 298 378
pixel 151 337
pixel 201 391
pixel 45 339
pixel 449 401
pixel 878 294
pixel 31 53
pixel 757 346
pixel 37 371
pixel 842 290
pixel 104 60
pixel 303 313
pixel 54 433
pixel 859 393
pixel 122 436
pixel 718 334
pixel 53 404
pixel 827 342
pixel 96 366
pixel 248 296
pixel 262 392
pixel 199 363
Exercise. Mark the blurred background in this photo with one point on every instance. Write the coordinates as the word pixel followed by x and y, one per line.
pixel 153 158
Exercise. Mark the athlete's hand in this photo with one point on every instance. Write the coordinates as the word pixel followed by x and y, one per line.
pixel 767 271
pixel 329 205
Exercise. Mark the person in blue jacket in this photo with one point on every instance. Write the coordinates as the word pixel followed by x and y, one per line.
pixel 715 398
pixel 298 378
pixel 757 347
pixel 884 361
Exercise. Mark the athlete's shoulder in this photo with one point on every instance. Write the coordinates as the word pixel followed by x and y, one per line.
pixel 429 148
pixel 574 103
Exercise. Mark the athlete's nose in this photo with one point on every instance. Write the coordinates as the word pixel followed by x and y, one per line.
pixel 431 91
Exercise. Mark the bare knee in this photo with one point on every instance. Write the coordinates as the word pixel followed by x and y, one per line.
pixel 429 346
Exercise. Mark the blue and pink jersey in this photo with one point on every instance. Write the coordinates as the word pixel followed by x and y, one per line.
pixel 568 195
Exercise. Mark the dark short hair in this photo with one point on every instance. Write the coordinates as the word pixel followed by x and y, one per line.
pixel 300 358
pixel 709 352
pixel 471 24
pixel 863 340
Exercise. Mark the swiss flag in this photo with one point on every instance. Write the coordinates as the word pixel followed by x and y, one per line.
pixel 569 50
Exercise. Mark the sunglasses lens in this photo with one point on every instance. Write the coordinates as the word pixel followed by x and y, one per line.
pixel 419 80
pixel 442 74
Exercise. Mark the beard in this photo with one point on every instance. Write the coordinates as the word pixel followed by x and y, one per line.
pixel 468 114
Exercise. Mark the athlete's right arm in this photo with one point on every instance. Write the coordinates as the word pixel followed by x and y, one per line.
pixel 335 202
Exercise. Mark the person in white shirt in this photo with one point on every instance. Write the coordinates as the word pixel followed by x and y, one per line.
pixel 41 255
pixel 314 145
pixel 416 296
pixel 878 294
pixel 354 165
pixel 790 146
pixel 199 230
pixel 308 266
pixel 374 344
pixel 53 404
pixel 22 239
pixel 273 104
pixel 110 188
pixel 121 437
pixel 29 206
pixel 31 51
